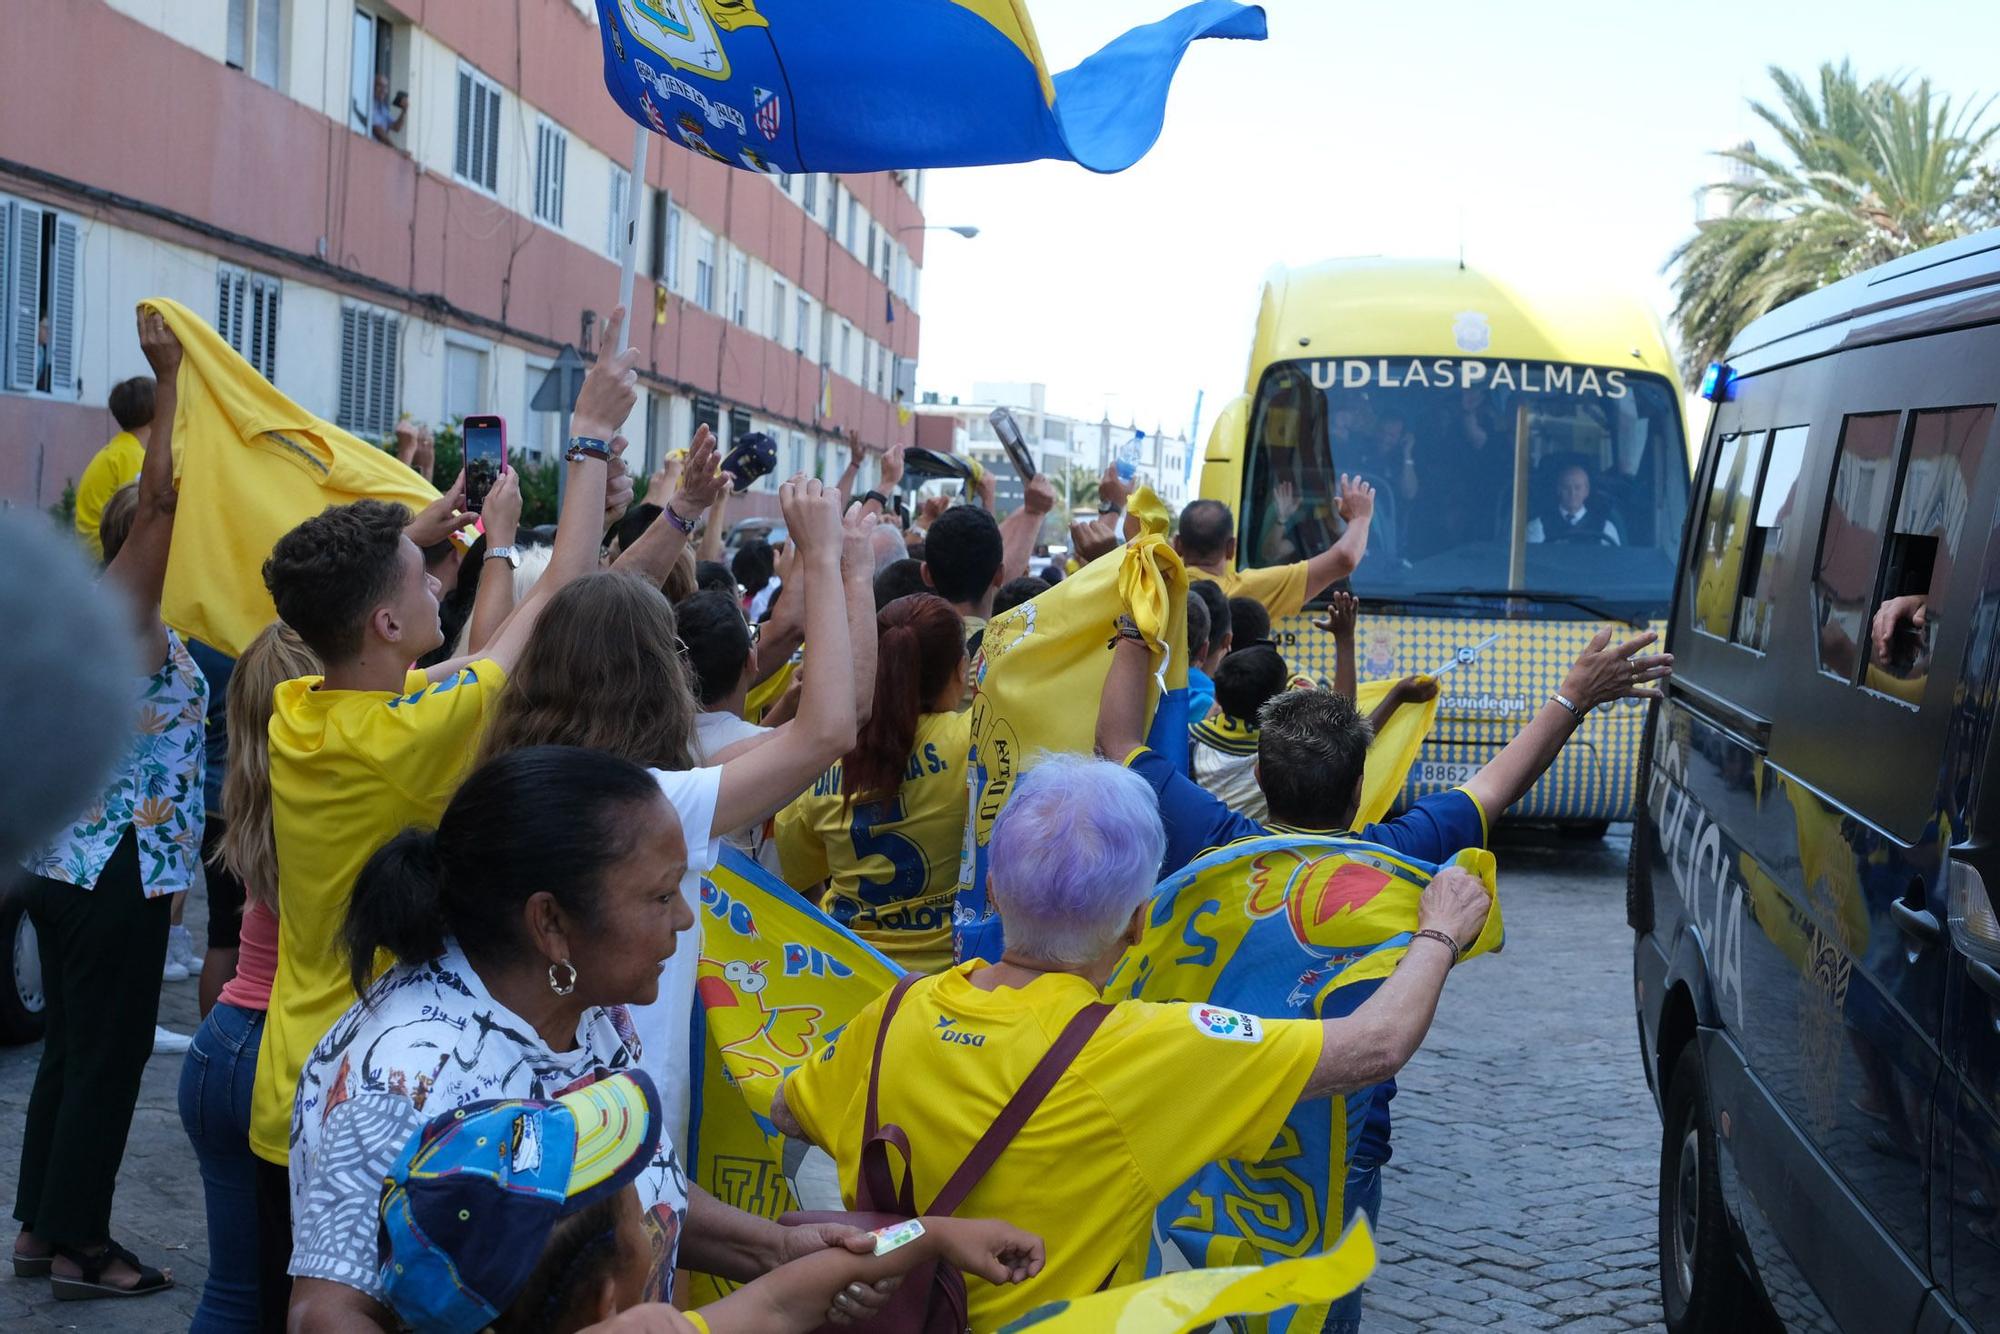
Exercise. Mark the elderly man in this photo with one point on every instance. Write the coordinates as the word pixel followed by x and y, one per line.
pixel 385 117
pixel 1573 519
pixel 1154 1094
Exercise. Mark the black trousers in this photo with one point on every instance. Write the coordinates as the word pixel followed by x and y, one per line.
pixel 101 950
pixel 274 1242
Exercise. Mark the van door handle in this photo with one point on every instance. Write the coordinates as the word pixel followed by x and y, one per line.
pixel 1754 731
pixel 1986 975
pixel 1920 924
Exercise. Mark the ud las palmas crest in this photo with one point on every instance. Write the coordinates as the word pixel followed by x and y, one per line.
pixel 684 33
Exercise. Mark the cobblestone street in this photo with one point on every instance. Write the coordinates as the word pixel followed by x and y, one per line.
pixel 1521 1195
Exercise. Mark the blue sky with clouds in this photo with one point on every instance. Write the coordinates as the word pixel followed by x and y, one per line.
pixel 1544 133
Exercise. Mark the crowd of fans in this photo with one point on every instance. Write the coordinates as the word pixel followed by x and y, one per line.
pixel 453 820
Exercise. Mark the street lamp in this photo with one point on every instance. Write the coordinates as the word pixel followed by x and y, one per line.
pixel 963 229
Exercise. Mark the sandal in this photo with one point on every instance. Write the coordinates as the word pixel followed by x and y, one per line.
pixel 91 1286
pixel 33 1266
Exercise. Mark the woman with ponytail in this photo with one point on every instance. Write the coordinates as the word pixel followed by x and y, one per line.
pixel 546 901
pixel 882 829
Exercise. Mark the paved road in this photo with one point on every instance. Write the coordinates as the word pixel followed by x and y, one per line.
pixel 1521 1195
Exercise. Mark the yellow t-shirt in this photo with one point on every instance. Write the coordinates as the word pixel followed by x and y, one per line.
pixel 891 867
pixel 114 466
pixel 1281 588
pixel 1160 1091
pixel 350 769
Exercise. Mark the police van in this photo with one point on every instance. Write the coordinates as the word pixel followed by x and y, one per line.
pixel 1817 959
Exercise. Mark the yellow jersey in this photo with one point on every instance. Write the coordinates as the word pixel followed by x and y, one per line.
pixel 890 865
pixel 1281 588
pixel 350 769
pixel 112 467
pixel 1159 1092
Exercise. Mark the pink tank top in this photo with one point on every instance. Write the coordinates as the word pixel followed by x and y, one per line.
pixel 256 961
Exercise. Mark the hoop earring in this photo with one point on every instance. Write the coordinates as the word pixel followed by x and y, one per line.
pixel 567 985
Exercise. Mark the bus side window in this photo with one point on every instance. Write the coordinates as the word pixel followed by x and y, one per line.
pixel 1851 544
pixel 1935 492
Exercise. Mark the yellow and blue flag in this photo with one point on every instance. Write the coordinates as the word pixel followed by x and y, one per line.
pixel 777 979
pixel 881 85
pixel 1276 926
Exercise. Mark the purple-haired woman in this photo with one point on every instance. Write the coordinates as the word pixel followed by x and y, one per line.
pixel 1156 1092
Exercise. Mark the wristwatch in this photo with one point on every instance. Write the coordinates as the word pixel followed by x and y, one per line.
pixel 508 554
pixel 877 497
pixel 1106 511
pixel 587 447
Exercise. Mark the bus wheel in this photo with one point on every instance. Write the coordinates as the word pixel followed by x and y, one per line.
pixel 1586 831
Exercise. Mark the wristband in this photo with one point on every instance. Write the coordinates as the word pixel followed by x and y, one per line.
pixel 587 447
pixel 1563 700
pixel 1430 934
pixel 897 1235
pixel 686 526
pixel 877 497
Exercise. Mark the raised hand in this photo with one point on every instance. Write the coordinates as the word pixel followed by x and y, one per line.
pixel 1343 613
pixel 933 509
pixel 1285 498
pixel 1357 499
pixel 892 468
pixel 442 517
pixel 1111 488
pixel 1039 496
pixel 857 540
pixel 812 514
pixel 702 480
pixel 1603 673
pixel 161 346
pixel 1093 539
pixel 610 387
pixel 501 514
pixel 618 485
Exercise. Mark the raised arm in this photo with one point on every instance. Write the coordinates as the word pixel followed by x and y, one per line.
pixel 1342 615
pixel 140 568
pixel 1019 529
pixel 494 602
pixel 1357 506
pixel 891 478
pixel 757 785
pixel 780 636
pixel 701 480
pixel 1409 690
pixel 1600 675
pixel 856 453
pixel 857 577
pixel 1379 1039
pixel 1121 710
pixel 593 485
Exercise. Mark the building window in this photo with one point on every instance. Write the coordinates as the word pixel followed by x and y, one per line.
pixel 853 225
pixel 374 43
pixel 811 197
pixel 246 315
pixel 464 381
pixel 801 316
pixel 39 253
pixel 666 267
pixel 873 234
pixel 371 354
pixel 551 163
pixel 785 181
pixel 739 288
pixel 621 189
pixel 704 271
pixel 778 294
pixel 845 366
pixel 477 159
pixel 253 39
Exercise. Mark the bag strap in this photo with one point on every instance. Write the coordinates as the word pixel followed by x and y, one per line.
pixel 896 993
pixel 1068 1044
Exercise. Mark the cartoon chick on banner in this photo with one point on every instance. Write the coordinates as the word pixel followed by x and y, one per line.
pixel 777 979
pixel 1275 926
pixel 887 85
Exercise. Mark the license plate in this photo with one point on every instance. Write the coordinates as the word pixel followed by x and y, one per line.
pixel 1440 773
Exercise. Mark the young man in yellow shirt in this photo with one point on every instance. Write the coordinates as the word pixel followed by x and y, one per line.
pixel 1207 544
pixel 117 464
pixel 374 746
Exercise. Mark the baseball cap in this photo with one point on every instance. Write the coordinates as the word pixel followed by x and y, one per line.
pixel 468 1208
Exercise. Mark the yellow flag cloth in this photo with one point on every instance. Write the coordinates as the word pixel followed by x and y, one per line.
pixel 251 465
pixel 1393 750
pixel 1039 675
pixel 1152 512
pixel 1193 1298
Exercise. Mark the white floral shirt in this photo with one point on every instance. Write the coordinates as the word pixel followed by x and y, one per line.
pixel 156 790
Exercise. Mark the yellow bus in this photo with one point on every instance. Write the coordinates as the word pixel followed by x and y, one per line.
pixel 1530 461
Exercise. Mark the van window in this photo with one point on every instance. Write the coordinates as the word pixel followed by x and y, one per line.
pixel 1718 558
pixel 1850 548
pixel 1765 547
pixel 1936 492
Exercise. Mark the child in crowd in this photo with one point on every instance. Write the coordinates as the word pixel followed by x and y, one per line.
pixel 1222 750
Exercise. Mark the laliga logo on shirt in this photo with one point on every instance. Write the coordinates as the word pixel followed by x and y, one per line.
pixel 1231 1025
pixel 948 1031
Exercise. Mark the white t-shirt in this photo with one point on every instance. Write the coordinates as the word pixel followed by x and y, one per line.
pixel 430 1038
pixel 663 1026
pixel 715 732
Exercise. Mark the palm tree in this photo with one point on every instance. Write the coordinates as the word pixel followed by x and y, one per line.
pixel 1870 171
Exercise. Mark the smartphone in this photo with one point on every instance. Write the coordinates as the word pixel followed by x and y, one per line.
pixel 485 457
pixel 1013 442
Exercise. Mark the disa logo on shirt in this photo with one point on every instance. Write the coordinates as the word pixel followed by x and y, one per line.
pixel 1232 1025
pixel 948 1031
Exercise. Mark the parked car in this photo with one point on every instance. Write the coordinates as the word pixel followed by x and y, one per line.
pixel 21 1002
pixel 757 529
pixel 1816 946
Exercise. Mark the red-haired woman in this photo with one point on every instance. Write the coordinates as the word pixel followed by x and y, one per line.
pixel 882 829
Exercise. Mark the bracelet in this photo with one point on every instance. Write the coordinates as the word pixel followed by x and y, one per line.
pixel 1126 628
pixel 587 447
pixel 686 526
pixel 1563 700
pixel 1429 933
pixel 877 497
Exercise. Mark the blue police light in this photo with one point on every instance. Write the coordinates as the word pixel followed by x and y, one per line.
pixel 1718 382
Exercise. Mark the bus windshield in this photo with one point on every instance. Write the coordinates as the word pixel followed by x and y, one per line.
pixel 1501 487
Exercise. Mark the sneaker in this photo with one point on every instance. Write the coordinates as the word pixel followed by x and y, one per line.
pixel 174 970
pixel 181 950
pixel 166 1042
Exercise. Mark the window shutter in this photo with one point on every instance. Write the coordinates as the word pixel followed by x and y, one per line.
pixel 478 172
pixel 235 51
pixel 492 176
pixel 378 371
pixel 462 162
pixel 25 263
pixel 266 67
pixel 562 166
pixel 62 311
pixel 347 414
pixel 263 351
pixel 656 243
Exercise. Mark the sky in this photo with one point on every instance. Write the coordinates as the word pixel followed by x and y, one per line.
pixel 1544 135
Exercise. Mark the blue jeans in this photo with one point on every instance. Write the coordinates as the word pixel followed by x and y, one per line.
pixel 216 1079
pixel 1364 1191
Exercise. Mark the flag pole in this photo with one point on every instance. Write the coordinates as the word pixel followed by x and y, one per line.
pixel 640 135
